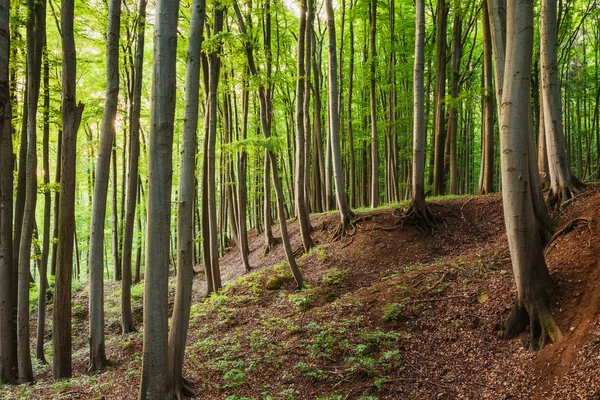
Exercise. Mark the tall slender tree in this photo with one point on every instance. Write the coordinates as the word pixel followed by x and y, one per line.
pixel 373 105
pixel 301 125
pixel 71 118
pixel 107 138
pixel 36 26
pixel 185 211
pixel 334 123
pixel 133 182
pixel 153 385
pixel 563 184
pixel 8 362
pixel 418 211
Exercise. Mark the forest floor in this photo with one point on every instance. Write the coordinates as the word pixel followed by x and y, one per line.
pixel 388 313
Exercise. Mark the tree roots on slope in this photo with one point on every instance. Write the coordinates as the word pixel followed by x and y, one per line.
pixel 556 197
pixel 537 317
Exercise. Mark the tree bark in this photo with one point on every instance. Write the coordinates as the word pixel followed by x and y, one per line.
pixel 131 199
pixel 8 361
pixel 334 123
pixel 43 282
pixel 563 185
pixel 301 124
pixel 373 104
pixel 154 375
pixel 98 359
pixel 36 27
pixel 440 94
pixel 454 93
pixel 185 210
pixel 487 178
pixel 71 117
pixel 534 285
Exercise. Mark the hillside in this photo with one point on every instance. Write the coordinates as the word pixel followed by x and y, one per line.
pixel 389 313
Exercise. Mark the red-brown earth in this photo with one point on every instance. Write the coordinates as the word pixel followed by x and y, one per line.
pixel 389 313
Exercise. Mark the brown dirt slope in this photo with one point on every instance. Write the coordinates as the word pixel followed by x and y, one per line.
pixel 389 313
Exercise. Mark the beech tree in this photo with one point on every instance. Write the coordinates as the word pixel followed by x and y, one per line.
pixel 107 137
pixel 418 211
pixel 534 285
pixel 154 379
pixel 71 118
pixel 185 211
pixel 563 184
pixel 8 362
pixel 334 124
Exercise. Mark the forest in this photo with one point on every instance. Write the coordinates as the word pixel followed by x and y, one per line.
pixel 278 199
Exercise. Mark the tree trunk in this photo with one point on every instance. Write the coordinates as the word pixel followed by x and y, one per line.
pixel 185 209
pixel 71 118
pixel 242 162
pixel 8 361
pixel 487 171
pixel 351 156
pixel 301 110
pixel 534 285
pixel 563 185
pixel 132 189
pixel 154 375
pixel 266 128
pixel 98 359
pixel 440 94
pixel 454 93
pixel 373 103
pixel 214 66
pixel 36 28
pixel 43 282
pixel 418 211
pixel 115 213
pixel 334 123
pixel 542 154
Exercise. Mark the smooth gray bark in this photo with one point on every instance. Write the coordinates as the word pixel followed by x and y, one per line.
pixel 107 138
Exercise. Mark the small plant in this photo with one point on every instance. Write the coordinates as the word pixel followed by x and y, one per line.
pixel 234 378
pixel 308 371
pixel 393 312
pixel 334 276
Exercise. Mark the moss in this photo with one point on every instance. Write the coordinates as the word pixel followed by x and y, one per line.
pixel 274 282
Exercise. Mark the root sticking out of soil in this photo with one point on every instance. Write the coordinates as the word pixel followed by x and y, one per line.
pixel 421 217
pixel 556 198
pixel 543 329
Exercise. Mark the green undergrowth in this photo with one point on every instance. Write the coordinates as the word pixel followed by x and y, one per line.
pixel 247 332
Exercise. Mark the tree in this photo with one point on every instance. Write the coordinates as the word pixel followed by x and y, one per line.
pixel 418 211
pixel 35 41
pixel 563 184
pixel 214 67
pixel 440 94
pixel 71 118
pixel 96 263
pixel 373 104
pixel 334 124
pixel 272 159
pixel 133 182
pixel 303 68
pixel 154 374
pixel 534 285
pixel 8 362
pixel 486 180
pixel 185 211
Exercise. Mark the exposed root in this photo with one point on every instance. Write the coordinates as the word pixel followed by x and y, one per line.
pixel 569 226
pixel 564 194
pixel 346 228
pixel 270 246
pixel 421 217
pixel 543 329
